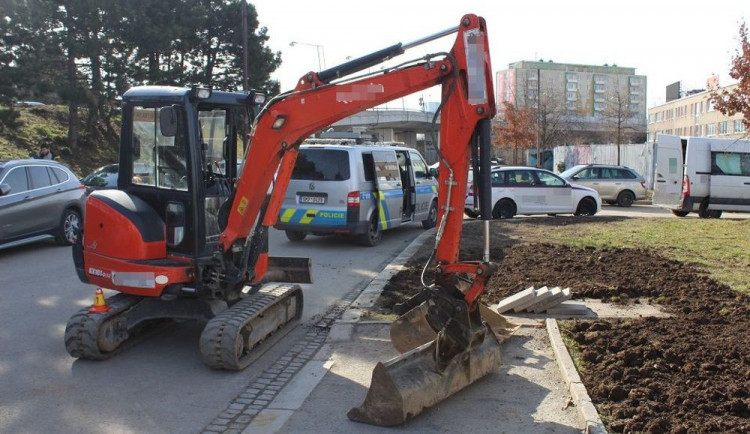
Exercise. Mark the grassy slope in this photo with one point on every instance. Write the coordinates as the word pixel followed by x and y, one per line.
pixel 49 124
pixel 721 246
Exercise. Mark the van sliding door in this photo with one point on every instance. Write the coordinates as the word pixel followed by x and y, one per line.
pixel 389 194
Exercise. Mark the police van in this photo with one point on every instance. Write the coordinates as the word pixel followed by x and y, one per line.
pixel 704 175
pixel 358 190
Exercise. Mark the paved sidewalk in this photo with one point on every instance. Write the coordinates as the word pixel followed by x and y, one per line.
pixel 526 394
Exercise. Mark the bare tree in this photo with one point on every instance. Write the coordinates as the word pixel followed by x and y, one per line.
pixel 553 120
pixel 621 117
pixel 515 130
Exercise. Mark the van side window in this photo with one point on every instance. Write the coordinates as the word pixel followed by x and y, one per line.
pixel 369 165
pixel 419 166
pixel 730 163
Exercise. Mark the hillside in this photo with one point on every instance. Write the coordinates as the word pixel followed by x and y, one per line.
pixel 49 124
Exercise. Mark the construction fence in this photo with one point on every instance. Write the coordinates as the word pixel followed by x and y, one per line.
pixel 637 156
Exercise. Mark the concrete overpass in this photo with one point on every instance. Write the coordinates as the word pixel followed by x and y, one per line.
pixel 394 125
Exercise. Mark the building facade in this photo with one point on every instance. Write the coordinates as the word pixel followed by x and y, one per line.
pixel 598 103
pixel 694 115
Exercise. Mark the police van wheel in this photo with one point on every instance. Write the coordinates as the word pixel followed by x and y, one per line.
pixel 431 217
pixel 295 235
pixel 373 234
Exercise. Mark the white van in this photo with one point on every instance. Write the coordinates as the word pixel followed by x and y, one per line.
pixel 358 190
pixel 703 175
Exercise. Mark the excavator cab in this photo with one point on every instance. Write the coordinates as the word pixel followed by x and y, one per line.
pixel 180 157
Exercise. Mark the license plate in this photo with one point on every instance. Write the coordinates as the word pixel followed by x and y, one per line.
pixel 312 199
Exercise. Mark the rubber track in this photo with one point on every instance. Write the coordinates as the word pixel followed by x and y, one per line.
pixel 217 341
pixel 82 330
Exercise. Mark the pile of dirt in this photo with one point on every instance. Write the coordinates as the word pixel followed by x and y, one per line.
pixel 686 373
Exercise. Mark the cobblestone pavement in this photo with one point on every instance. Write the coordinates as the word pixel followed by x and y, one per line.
pixel 258 394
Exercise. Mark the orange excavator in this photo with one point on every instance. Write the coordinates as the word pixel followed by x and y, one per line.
pixel 185 235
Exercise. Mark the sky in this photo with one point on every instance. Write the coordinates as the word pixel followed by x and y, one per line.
pixel 665 40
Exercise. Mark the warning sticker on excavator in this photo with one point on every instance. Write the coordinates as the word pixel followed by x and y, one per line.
pixel 242 207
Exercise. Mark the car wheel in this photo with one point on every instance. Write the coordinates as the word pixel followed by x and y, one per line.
pixel 705 213
pixel 373 234
pixel 586 207
pixel 70 227
pixel 505 209
pixel 625 199
pixel 680 213
pixel 296 236
pixel 471 213
pixel 431 217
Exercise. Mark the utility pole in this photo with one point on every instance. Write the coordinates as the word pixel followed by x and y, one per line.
pixel 245 85
pixel 538 97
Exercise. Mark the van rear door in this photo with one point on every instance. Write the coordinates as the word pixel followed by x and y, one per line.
pixel 669 171
pixel 389 194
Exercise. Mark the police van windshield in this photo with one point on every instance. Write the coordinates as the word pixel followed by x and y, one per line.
pixel 321 165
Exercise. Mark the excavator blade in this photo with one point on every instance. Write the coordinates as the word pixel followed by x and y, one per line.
pixel 412 329
pixel 403 387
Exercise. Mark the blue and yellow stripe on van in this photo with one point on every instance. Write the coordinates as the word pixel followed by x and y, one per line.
pixel 426 189
pixel 306 216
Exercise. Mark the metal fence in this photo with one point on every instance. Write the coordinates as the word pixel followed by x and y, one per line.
pixel 638 156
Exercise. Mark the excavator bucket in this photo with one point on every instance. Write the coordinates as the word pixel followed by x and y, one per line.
pixel 288 269
pixel 404 386
pixel 412 329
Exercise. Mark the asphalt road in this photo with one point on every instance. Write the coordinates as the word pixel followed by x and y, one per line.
pixel 159 386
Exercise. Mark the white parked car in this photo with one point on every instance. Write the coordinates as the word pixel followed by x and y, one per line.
pixel 528 190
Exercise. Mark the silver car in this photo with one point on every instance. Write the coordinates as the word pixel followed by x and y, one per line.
pixel 39 199
pixel 619 185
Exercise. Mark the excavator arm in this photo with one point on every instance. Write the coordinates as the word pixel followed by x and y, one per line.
pixel 445 338
pixel 464 74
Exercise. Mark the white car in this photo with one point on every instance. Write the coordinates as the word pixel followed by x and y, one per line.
pixel 528 190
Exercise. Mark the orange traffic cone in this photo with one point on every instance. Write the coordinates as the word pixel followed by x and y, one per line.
pixel 100 305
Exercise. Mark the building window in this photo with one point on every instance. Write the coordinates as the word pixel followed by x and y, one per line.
pixel 572 96
pixel 635 81
pixel 572 86
pixel 599 88
pixel 571 77
pixel 739 127
pixel 710 105
pixel 598 106
pixel 711 130
pixel 724 127
pixel 600 79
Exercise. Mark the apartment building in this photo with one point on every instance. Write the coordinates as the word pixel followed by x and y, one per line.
pixel 694 115
pixel 593 99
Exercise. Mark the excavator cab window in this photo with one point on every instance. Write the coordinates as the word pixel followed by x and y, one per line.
pixel 160 153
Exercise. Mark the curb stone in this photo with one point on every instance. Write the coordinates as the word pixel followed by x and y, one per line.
pixel 586 410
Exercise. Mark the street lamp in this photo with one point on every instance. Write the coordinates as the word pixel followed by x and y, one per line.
pixel 318 48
